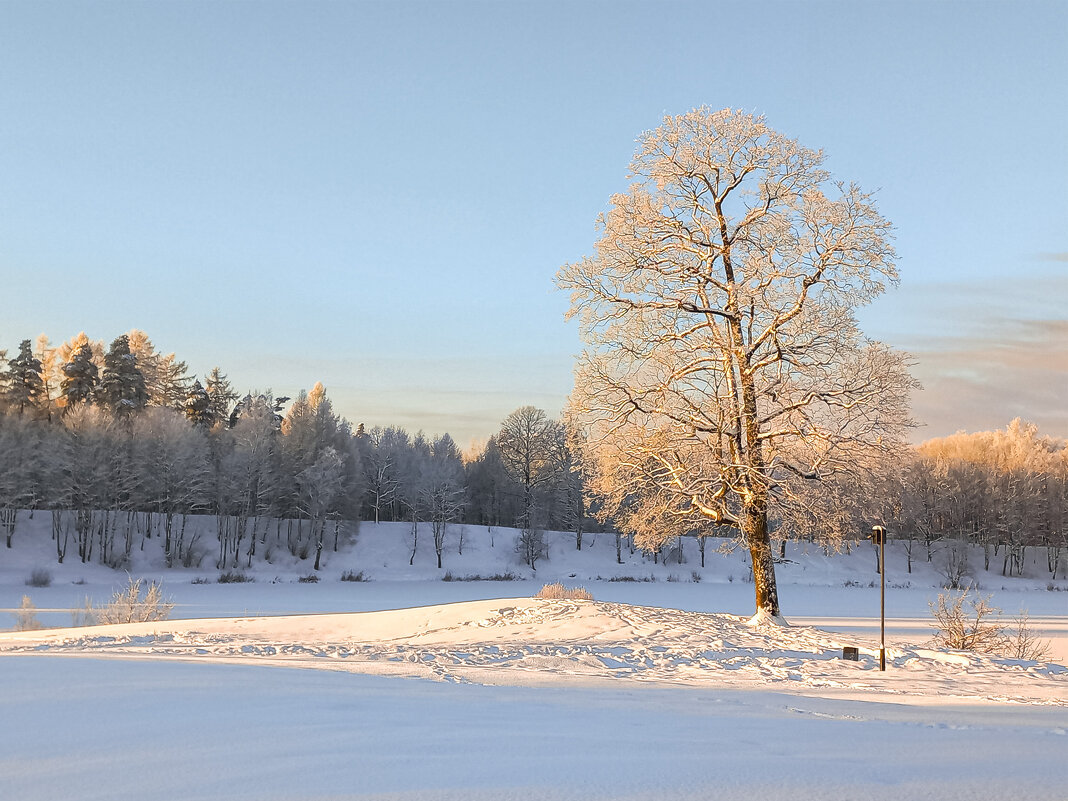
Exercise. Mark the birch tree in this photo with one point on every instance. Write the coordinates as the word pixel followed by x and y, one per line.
pixel 724 369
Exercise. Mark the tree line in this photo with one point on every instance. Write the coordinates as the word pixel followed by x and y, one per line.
pixel 123 444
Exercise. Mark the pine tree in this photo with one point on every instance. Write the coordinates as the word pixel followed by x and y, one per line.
pixel 80 377
pixel 25 388
pixel 220 394
pixel 198 406
pixel 122 386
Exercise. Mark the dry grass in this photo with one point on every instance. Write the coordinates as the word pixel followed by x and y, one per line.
pixel 559 592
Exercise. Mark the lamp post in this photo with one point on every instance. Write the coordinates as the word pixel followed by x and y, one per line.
pixel 878 535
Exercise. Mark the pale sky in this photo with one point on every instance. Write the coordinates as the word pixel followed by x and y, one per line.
pixel 378 195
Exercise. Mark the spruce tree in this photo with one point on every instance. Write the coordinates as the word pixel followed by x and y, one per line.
pixel 198 406
pixel 122 386
pixel 220 393
pixel 80 377
pixel 25 388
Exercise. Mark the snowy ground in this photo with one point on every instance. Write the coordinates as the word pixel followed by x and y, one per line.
pixel 96 729
pixel 473 690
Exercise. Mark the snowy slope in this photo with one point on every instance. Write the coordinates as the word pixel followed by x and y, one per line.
pixel 526 641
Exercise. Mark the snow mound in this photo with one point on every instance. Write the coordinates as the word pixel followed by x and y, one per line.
pixel 525 641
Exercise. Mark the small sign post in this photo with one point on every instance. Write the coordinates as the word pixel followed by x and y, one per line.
pixel 878 535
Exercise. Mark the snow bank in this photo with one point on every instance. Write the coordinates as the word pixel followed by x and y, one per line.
pixel 526 642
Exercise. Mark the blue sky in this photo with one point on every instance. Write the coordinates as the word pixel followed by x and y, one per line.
pixel 378 195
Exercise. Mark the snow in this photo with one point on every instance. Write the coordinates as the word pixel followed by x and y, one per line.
pixel 409 687
pixel 96 729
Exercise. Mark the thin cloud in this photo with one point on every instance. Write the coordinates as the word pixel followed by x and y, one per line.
pixel 987 352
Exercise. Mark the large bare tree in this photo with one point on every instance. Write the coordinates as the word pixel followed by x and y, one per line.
pixel 724 371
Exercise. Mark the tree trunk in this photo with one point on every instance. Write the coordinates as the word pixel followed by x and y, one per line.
pixel 755 527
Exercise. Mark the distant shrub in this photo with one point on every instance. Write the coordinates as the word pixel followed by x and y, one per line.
pixel 644 579
pixel 560 592
pixel 672 578
pixel 311 578
pixel 200 580
pixel 39 577
pixel 348 575
pixel 234 577
pixel 26 616
pixel 506 576
pixel 695 577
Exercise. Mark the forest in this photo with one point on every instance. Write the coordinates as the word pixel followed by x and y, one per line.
pixel 121 442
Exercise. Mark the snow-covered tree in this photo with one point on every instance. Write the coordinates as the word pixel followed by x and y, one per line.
pixel 250 481
pixel 220 393
pixel 80 377
pixel 21 461
pixel 320 486
pixel 166 378
pixel 171 470
pixel 25 390
pixel 441 488
pixel 724 367
pixel 383 452
pixel 122 385
pixel 197 407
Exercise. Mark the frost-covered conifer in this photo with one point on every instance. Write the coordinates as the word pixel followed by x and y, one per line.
pixel 25 390
pixel 198 406
pixel 220 393
pixel 80 377
pixel 122 386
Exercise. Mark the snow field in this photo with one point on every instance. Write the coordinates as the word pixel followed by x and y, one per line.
pixel 99 730
pixel 655 689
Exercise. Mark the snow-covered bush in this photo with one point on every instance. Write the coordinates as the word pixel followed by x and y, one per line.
pixel 559 592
